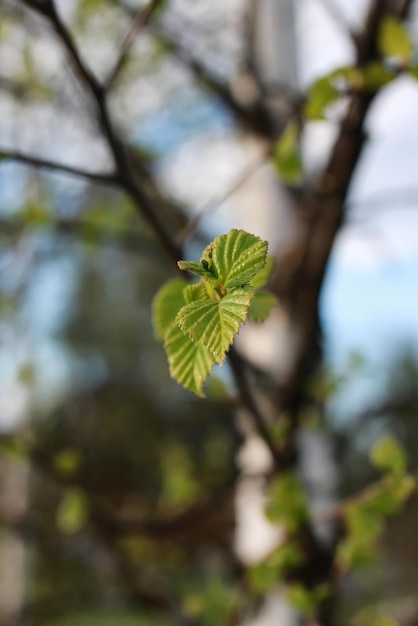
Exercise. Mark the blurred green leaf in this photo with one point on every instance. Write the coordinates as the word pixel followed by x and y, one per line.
pixel 72 511
pixel 67 462
pixel 302 599
pixel 287 501
pixel 179 486
pixel 266 575
pixel 35 215
pixel 372 616
pixel 108 618
pixel 262 305
pixel 394 40
pixel 262 277
pixel 287 157
pixel 27 374
pixel 388 455
pixel 166 304
pixel 213 606
pixel 376 75
pixel 321 94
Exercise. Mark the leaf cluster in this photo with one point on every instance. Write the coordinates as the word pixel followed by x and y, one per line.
pixel 198 322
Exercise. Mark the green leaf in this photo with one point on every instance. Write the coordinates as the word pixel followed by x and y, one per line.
pixel 376 75
pixel 364 524
pixel 67 462
pixel 262 305
pixel 321 94
pixel 388 455
pixel 189 364
pixel 413 71
pixel 72 511
pixel 235 258
pixel 195 292
pixel 27 374
pixel 263 276
pixel 266 575
pixel 394 40
pixel 199 269
pixel 166 304
pixel 287 501
pixel 287 156
pixel 215 323
pixel 302 599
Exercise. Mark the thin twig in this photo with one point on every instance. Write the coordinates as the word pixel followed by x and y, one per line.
pixel 27 159
pixel 139 22
pixel 214 204
pixel 339 19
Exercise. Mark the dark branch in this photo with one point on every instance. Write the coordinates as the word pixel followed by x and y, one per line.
pixel 124 173
pixel 14 155
pixel 139 22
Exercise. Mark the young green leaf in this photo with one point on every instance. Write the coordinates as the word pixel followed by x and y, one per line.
pixel 199 269
pixel 287 501
pixel 166 304
pixel 287 156
pixel 190 364
pixel 394 40
pixel 72 512
pixel 261 306
pixel 235 258
pixel 387 454
pixel 376 75
pixel 195 292
pixel 215 323
pixel 321 94
pixel 263 276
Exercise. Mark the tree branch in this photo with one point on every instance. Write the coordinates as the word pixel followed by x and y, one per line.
pixel 141 20
pixel 124 173
pixel 27 159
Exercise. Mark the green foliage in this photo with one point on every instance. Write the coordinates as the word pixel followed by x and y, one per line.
pixel 262 305
pixel 287 501
pixel 287 157
pixel 376 75
pixel 212 606
pixel 198 322
pixel 72 511
pixel 321 94
pixel 388 455
pixel 27 374
pixel 372 616
pixel 180 488
pixel 106 619
pixel 307 601
pixel 394 40
pixel 265 576
pixel 365 515
pixel 67 463
pixel 364 525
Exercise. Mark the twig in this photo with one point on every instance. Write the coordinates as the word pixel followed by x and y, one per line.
pixel 339 19
pixel 15 155
pixel 125 175
pixel 248 401
pixel 139 22
pixel 215 204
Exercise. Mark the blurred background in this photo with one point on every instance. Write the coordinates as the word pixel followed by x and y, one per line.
pixel 117 487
